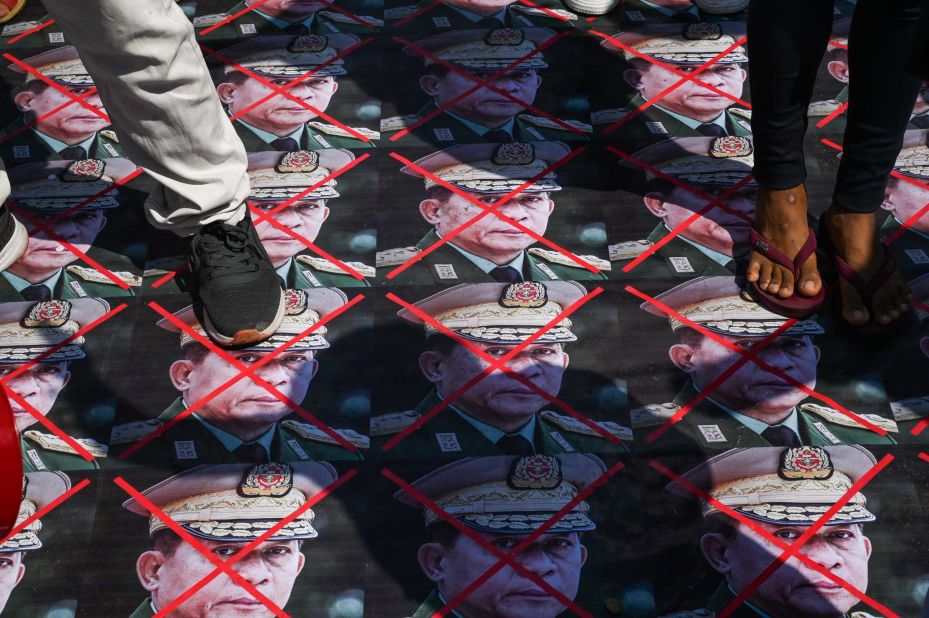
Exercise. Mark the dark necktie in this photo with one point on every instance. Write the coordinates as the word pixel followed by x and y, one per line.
pixel 506 274
pixel 498 136
pixel 74 152
pixel 921 121
pixel 285 144
pixel 490 22
pixel 781 435
pixel 296 29
pixel 251 452
pixel 37 292
pixel 515 445
pixel 711 130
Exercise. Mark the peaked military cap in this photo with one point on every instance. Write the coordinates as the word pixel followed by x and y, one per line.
pixel 63 185
pixel 29 330
pixel 485 50
pixel 61 65
pixel 286 56
pixel 699 161
pixel 913 160
pixel 39 490
pixel 278 176
pixel 677 43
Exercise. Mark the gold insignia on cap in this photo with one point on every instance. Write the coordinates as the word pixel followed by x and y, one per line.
pixel 528 294
pixel 84 170
pixel 48 314
pixel 295 301
pixel 805 462
pixel 505 36
pixel 298 161
pixel 535 472
pixel 731 146
pixel 273 479
pixel 308 43
pixel 514 153
pixel 703 31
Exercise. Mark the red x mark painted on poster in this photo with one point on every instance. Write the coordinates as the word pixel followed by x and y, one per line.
pixel 745 356
pixel 225 567
pixel 495 364
pixel 28 407
pixel 844 106
pixel 487 210
pixel 789 550
pixel 685 77
pixel 434 3
pixel 45 510
pixel 507 559
pixel 245 372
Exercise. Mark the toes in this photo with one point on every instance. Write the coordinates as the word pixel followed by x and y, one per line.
pixel 787 284
pixel 775 283
pixel 810 280
pixel 753 273
pixel 764 280
pixel 853 310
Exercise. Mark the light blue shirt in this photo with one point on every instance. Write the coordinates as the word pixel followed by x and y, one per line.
pixel 481 129
pixel 792 422
pixel 21 284
pixel 666 10
pixel 58 145
pixel 492 433
pixel 474 17
pixel 692 122
pixel 232 442
pixel 284 269
pixel 720 258
pixel 485 264
pixel 267 137
pixel 282 23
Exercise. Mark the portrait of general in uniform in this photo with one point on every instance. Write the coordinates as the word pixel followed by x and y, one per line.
pixel 904 199
pixel 291 119
pixel 500 413
pixel 244 422
pixel 491 248
pixel 751 406
pixel 74 131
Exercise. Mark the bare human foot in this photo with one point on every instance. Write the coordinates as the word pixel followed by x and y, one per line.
pixel 781 218
pixel 854 236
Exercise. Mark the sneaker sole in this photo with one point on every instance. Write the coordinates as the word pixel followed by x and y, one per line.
pixel 14 249
pixel 248 336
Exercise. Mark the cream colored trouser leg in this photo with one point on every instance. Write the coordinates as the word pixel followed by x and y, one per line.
pixel 157 90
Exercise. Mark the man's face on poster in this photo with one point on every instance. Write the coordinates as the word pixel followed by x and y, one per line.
pixel 838 69
pixel 44 253
pixel 557 559
pixel 751 389
pixel 39 386
pixel 12 570
pixel 288 10
pixel 904 200
pixel 279 114
pixel 303 218
pixel 243 408
pixel 794 589
pixel 272 568
pixel 690 98
pixel 724 228
pixel 488 107
pixel 73 122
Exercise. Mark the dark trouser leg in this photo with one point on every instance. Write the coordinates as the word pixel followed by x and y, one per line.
pixel 918 63
pixel 880 99
pixel 786 42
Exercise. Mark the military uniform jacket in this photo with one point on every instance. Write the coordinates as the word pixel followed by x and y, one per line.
pixel 636 13
pixel 446 130
pixel 251 24
pixel 25 146
pixel 78 280
pixel 431 605
pixel 448 266
pixel 448 435
pixel 189 443
pixel 678 259
pixel 655 125
pixel 910 249
pixel 45 451
pixel 316 136
pixel 724 596
pixel 144 610
pixel 312 271
pixel 442 18
pixel 707 427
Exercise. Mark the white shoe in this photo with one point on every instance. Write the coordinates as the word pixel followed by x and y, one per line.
pixel 591 7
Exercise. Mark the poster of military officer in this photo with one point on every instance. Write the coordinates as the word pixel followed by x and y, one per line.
pixel 235 418
pixel 485 85
pixel 654 58
pixel 682 178
pixel 408 16
pixel 483 246
pixel 527 408
pixel 228 20
pixel 311 565
pixel 732 403
pixel 906 226
pixel 284 92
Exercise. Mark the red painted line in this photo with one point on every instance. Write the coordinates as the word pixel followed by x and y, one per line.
pixel 417 13
pixel 835 113
pixel 548 12
pixel 48 508
pixel 35 73
pixel 254 5
pixel 30 31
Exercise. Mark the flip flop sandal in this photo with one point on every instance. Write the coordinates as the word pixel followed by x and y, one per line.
pixel 797 306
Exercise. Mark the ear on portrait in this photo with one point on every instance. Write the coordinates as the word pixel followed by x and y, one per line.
pixel 431 558
pixel 633 77
pixel 682 355
pixel 715 546
pixel 430 363
pixel 179 372
pixel 838 69
pixel 148 569
pixel 655 203
pixel 430 84
pixel 226 92
pixel 429 209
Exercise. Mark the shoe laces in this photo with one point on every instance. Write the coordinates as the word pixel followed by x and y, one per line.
pixel 228 250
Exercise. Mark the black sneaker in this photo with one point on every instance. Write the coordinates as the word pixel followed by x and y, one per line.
pixel 243 302
pixel 13 238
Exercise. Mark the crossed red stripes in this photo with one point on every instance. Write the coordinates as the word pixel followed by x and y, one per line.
pixel 45 510
pixel 245 372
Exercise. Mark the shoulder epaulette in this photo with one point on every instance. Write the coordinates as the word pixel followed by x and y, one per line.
pixel 319 263
pixel 399 12
pixel 205 21
pixel 110 135
pixel 571 424
pixel 629 249
pixel 51 442
pixel 395 422
pixel 349 19
pixel 542 121
pixel 741 111
pixel 128 433
pixel 557 257
pixel 530 10
pixel 312 432
pixel 23 26
pixel 397 123
pixel 823 108
pixel 395 257
pixel 608 116
pixel 910 409
pixel 834 416
pixel 95 276
pixel 331 129
pixel 652 415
